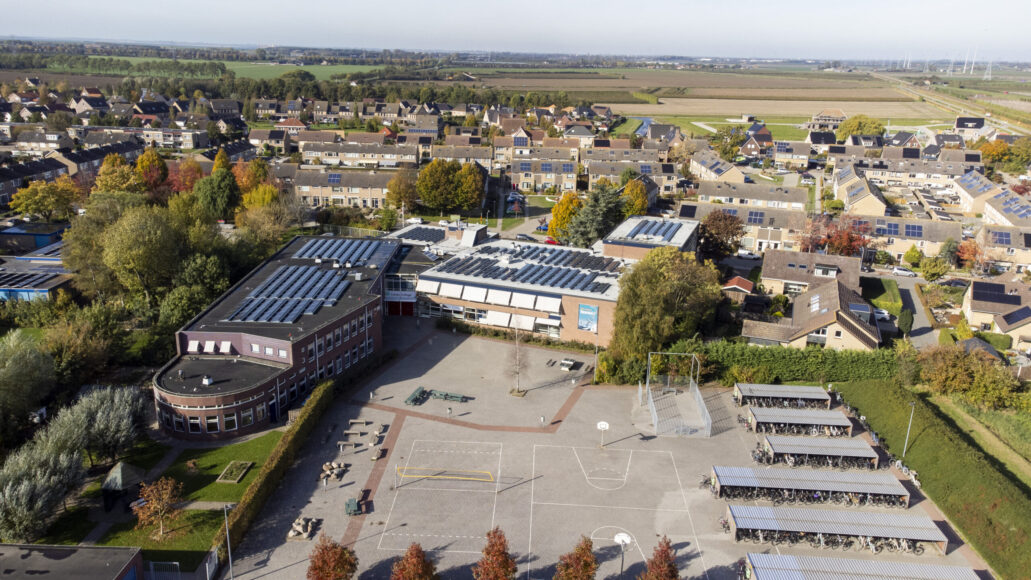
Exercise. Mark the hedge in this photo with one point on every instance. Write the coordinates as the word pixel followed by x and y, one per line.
pixel 272 472
pixel 990 509
pixel 882 293
pixel 802 364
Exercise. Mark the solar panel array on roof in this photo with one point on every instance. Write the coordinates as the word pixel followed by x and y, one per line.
pixel 337 249
pixel 688 211
pixel 1018 315
pixel 290 292
pixel 334 178
pixel 910 153
pixel 654 230
pixel 24 280
pixel 431 235
pixel 548 267
pixel 994 293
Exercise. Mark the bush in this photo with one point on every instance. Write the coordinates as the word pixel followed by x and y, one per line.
pixel 801 364
pixel 991 510
pixel 1001 342
pixel 882 293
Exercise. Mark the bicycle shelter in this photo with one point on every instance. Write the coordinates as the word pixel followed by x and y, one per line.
pixel 778 567
pixel 771 419
pixel 819 447
pixel 786 396
pixel 857 524
pixel 793 481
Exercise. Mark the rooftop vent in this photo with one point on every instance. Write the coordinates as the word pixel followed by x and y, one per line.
pixel 206 381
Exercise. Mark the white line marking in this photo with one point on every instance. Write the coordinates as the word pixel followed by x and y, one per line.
pixel 588 478
pixel 409 488
pixel 497 486
pixel 607 448
pixel 529 541
pixel 614 507
pixel 394 501
pixel 698 545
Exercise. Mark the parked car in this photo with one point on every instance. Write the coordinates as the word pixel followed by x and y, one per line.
pixel 881 314
pixel 415 220
pixel 444 223
pixel 552 241
pixel 542 228
pixel 900 271
pixel 746 255
pixel 526 237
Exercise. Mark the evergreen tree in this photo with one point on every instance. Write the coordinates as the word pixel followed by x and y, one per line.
pixel 601 212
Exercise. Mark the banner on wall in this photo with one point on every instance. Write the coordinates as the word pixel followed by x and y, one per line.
pixel 588 318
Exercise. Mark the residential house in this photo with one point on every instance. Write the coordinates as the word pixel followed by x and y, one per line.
pixel 361 138
pixel 602 111
pixel 1000 307
pixel 737 288
pixel 663 174
pixel 39 142
pixel 462 140
pixel 87 162
pixel 792 154
pixel 463 155
pixel 671 134
pixel 786 272
pixel 707 166
pixel 960 156
pixel 276 140
pixel 914 173
pixel 355 155
pixel 266 108
pixel 23 98
pixel 612 144
pixel 224 108
pixel 173 138
pixel 91 92
pixel 292 125
pixel 903 139
pixel 1007 209
pixel 821 141
pixel 539 175
pixel 971 128
pixel 95 104
pixel 17 175
pixel 424 143
pixel 345 188
pixel 841 154
pixel 866 141
pixel 1008 248
pixel 974 189
pixel 150 111
pixel 239 150
pixel 753 195
pixel 831 315
pixel 826 120
pixel 512 124
pixel 765 229
pixel 580 133
pixel 572 146
pixel 858 194
pixel 897 235
pixel 609 155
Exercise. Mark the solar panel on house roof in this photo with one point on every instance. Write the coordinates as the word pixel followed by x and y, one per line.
pixel 431 235
pixel 1018 315
pixel 334 178
pixel 994 293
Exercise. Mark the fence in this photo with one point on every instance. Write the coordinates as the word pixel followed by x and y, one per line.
pixel 161 571
pixel 660 391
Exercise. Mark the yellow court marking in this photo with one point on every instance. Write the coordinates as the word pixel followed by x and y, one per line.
pixel 435 473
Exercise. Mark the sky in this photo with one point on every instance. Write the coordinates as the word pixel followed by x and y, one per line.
pixel 863 29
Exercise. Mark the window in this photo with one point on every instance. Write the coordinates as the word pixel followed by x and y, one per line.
pixel 837 334
pixel 347 360
pixel 361 350
pixel 369 344
pixel 322 347
pixel 354 327
pixel 1001 238
pixel 282 353
pixel 211 423
pixel 247 418
pixel 914 231
pixel 166 419
pixel 329 341
pixel 293 392
pixel 347 332
pixel 354 354
pixel 270 351
pixel 339 336
pixel 179 423
pixel 756 217
pixel 340 365
pixel 260 410
pixel 229 421
pixel 368 319
pixel 194 424
pixel 255 348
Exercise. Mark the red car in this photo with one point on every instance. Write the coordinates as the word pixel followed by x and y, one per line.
pixel 552 241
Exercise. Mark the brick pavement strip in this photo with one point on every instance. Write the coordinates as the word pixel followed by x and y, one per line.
pixel 354 525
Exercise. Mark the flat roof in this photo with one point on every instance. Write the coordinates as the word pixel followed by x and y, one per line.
pixel 49 253
pixel 652 232
pixel 916 527
pixel 228 374
pixel 792 391
pixel 312 281
pixel 800 416
pixel 836 447
pixel 785 567
pixel 811 480
pixel 534 268
pixel 90 562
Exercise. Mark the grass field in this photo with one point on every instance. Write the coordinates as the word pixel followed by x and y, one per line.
pixel 201 486
pixel 146 453
pixel 70 527
pixel 626 128
pixel 256 70
pixel 186 541
pixel 1011 427
pixel 735 107
pixel 882 293
pixel 964 416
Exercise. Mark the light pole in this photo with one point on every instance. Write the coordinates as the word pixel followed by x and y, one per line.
pixel 624 540
pixel 229 550
pixel 912 407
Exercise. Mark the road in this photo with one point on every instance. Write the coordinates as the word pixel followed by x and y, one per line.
pixel 922 334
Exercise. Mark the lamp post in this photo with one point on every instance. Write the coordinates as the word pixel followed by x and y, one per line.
pixel 624 540
pixel 229 550
pixel 912 407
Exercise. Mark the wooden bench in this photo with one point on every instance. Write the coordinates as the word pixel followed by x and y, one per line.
pixel 417 397
pixel 352 508
pixel 361 422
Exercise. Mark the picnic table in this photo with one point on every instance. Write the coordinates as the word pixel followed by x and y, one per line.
pixel 417 397
pixel 352 508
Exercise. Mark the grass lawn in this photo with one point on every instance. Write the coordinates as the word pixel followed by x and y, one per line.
pixel 70 528
pixel 93 490
pixel 201 486
pixel 1012 427
pixel 542 201
pixel 882 293
pixel 187 540
pixel 146 453
pixel 626 128
pixel 788 133
pixel 810 204
pixel 511 222
pixel 966 418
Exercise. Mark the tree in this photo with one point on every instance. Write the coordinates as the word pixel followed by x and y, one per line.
pixel 579 564
pixel 974 376
pixel 181 305
pixel 151 169
pixel 142 250
pixel 948 251
pixel 971 255
pixel 414 565
pixel 218 194
pixel 665 296
pixel 719 235
pixel 913 256
pixel 934 268
pixel 401 191
pixel 601 212
pixel 252 174
pixel 117 177
pixel 859 125
pixel 627 175
pixel 963 330
pixel 47 199
pixel 221 161
pixel 562 215
pixel 263 195
pixel 905 321
pixel 844 240
pixel 662 565
pixel 993 152
pixel 187 173
pixel 469 185
pixel 635 199
pixel 111 416
pixel 159 505
pixel 496 563
pixel 436 184
pixel 331 561
pixel 26 378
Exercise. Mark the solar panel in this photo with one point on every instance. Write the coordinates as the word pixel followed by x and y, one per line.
pixel 688 211
pixel 994 293
pixel 1001 238
pixel 334 178
pixel 914 231
pixel 1017 315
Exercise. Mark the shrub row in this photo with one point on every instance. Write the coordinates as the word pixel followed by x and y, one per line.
pixel 989 507
pixel 815 364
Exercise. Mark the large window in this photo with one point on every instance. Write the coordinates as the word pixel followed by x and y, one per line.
pixel 195 424
pixel 247 417
pixel 211 423
pixel 229 421
pixel 179 423
pixel 260 410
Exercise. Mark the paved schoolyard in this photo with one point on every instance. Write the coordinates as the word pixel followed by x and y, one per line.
pixel 445 482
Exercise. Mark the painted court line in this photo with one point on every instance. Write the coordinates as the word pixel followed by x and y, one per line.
pixel 698 545
pixel 614 507
pixel 386 526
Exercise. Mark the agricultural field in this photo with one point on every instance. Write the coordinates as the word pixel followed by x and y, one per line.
pixel 256 70
pixel 735 107
pixel 802 94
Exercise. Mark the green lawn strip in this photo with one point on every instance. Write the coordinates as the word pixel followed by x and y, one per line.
pixel 146 453
pixel 93 489
pixel 987 504
pixel 946 337
pixel 201 486
pixel 985 438
pixel 882 293
pixel 510 222
pixel 1011 427
pixel 542 201
pixel 810 204
pixel 187 540
pixel 627 128
pixel 70 528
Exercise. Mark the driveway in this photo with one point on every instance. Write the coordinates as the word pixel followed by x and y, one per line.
pixel 922 334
